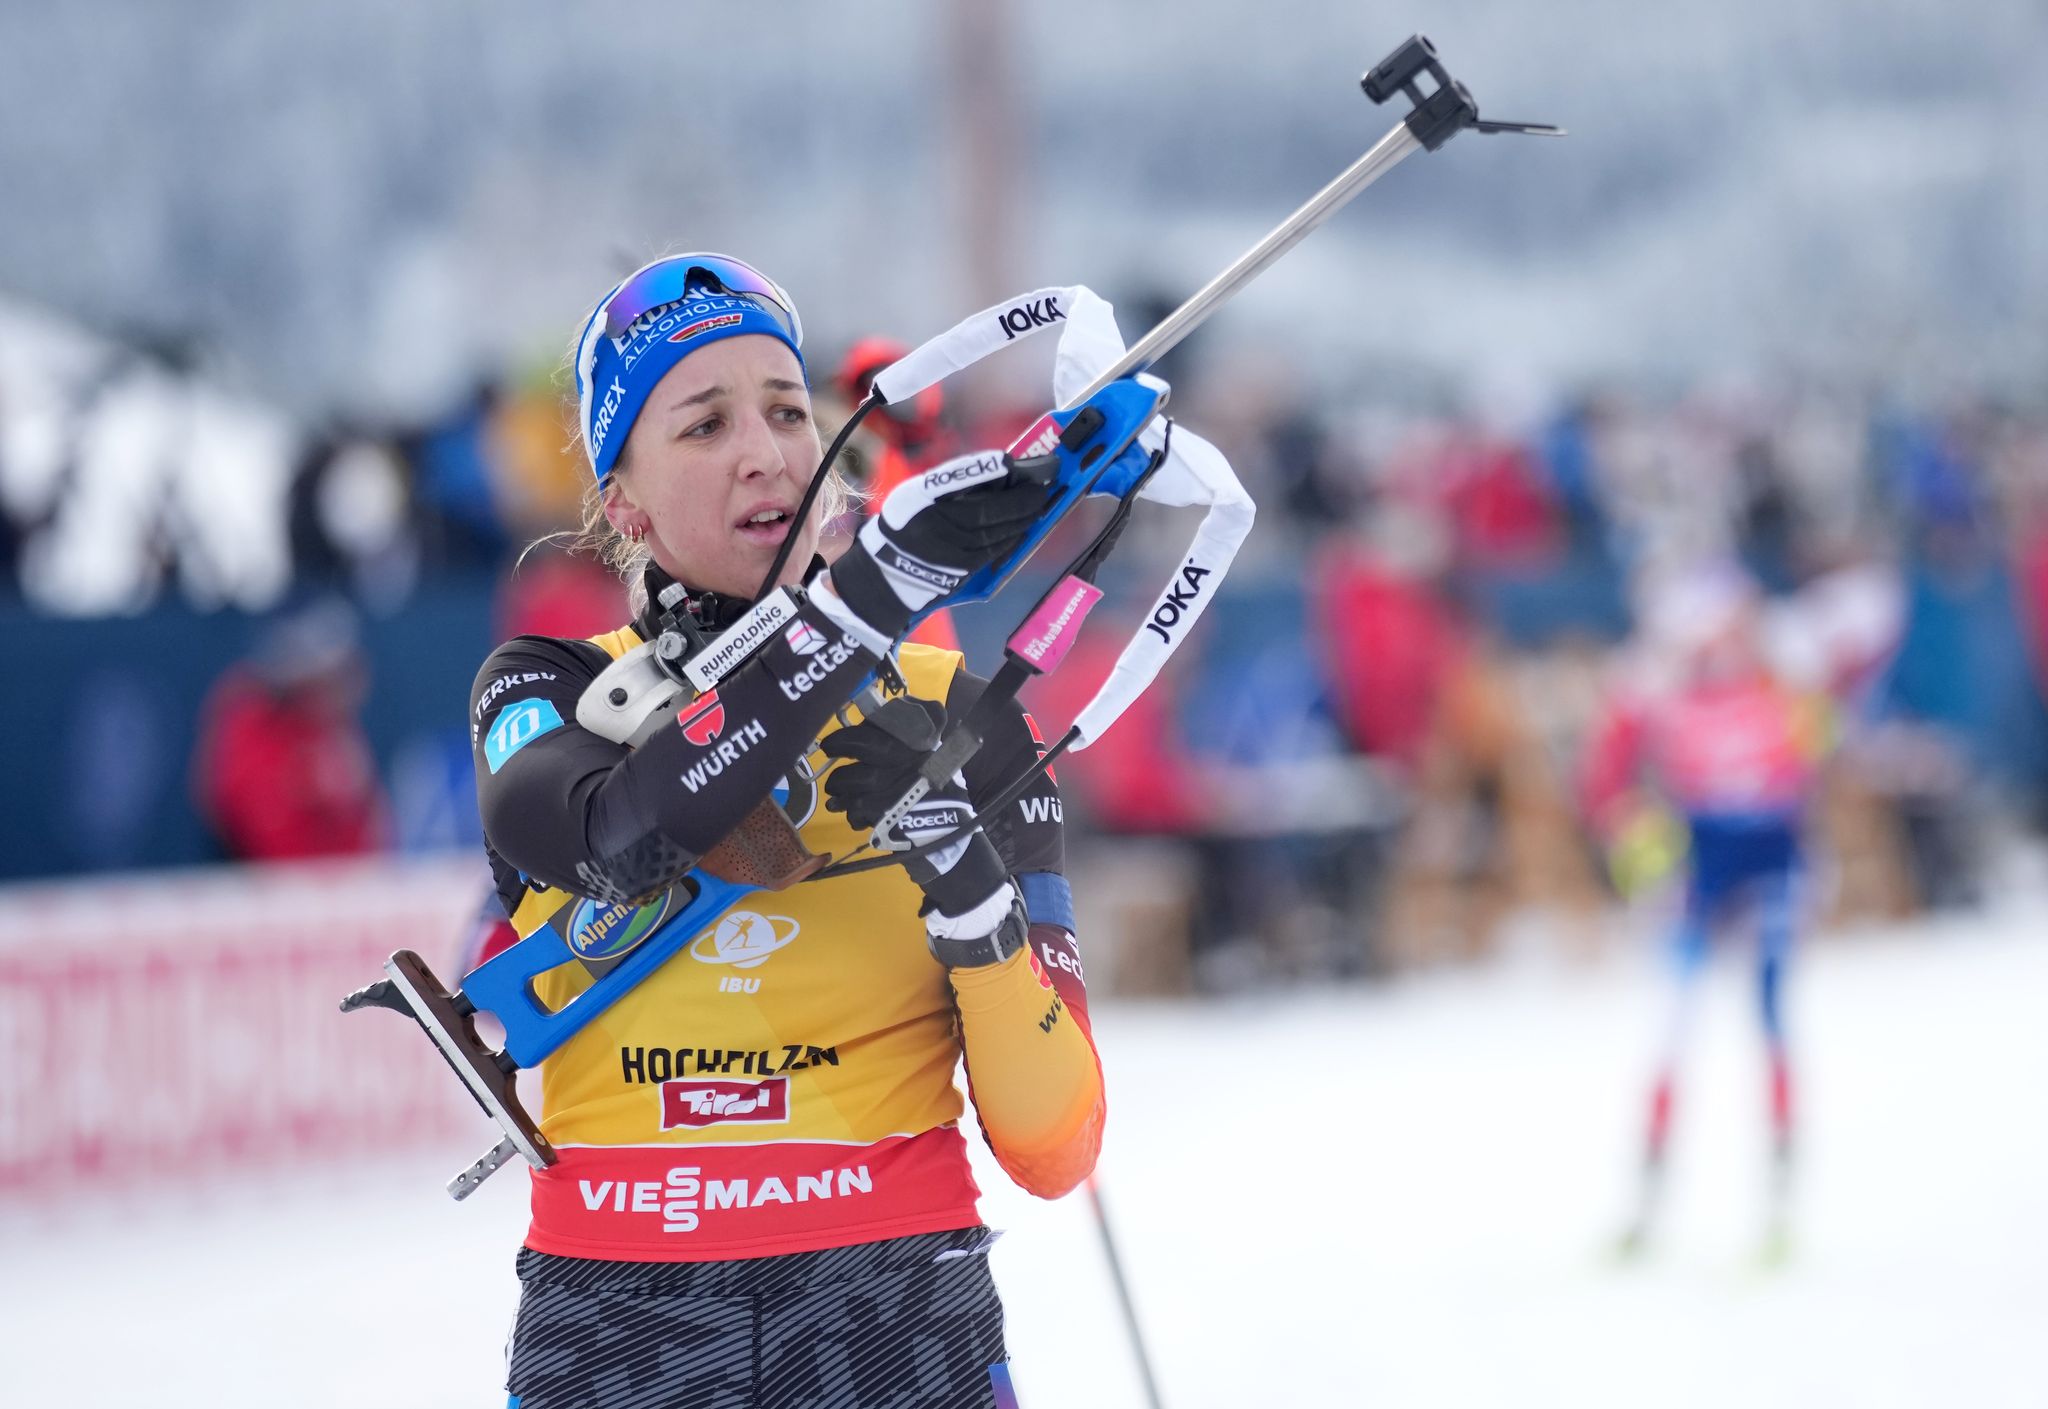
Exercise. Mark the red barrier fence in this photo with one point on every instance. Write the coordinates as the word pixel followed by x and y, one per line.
pixel 188 1021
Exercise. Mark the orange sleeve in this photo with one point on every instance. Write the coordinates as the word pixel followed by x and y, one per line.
pixel 1032 1071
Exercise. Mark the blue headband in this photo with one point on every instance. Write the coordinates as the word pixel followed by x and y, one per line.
pixel 614 376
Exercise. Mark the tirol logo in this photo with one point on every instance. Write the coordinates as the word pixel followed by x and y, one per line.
pixel 1024 317
pixel 743 939
pixel 609 931
pixel 702 718
pixel 805 639
pixel 724 320
pixel 1041 438
pixel 1179 597
pixel 695 1104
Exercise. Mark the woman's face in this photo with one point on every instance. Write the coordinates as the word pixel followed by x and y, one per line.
pixel 716 464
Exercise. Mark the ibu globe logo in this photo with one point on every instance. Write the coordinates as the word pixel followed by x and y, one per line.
pixel 612 931
pixel 744 939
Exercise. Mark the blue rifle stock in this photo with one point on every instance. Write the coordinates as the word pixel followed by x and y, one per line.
pixel 1093 464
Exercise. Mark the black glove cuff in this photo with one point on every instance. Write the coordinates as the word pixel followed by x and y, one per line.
pixel 974 878
pixel 858 580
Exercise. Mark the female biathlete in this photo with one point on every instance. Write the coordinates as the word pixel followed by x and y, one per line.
pixel 763 1195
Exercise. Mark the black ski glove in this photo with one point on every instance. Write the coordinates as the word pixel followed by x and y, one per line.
pixel 882 755
pixel 935 531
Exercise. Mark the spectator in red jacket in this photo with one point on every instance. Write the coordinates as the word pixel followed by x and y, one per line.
pixel 1389 641
pixel 283 769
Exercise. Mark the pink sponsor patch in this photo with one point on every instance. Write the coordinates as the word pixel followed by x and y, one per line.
pixel 1042 437
pixel 1046 634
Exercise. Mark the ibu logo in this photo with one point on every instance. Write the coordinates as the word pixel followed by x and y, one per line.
pixel 611 931
pixel 744 939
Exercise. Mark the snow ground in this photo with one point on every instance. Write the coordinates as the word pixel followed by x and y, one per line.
pixel 1390 1196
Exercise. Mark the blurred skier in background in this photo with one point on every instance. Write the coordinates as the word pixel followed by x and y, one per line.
pixel 1706 761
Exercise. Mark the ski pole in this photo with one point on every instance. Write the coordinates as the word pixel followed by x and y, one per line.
pixel 1438 116
pixel 1123 1295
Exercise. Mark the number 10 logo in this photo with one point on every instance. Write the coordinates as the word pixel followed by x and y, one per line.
pixel 518 725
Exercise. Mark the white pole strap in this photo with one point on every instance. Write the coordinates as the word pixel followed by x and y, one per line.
pixel 1174 613
pixel 973 338
pixel 1195 471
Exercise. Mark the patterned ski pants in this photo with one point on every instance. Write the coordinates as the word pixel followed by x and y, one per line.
pixel 907 1323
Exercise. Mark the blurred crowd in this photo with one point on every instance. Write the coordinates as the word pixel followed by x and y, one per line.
pixel 1378 749
pixel 1473 592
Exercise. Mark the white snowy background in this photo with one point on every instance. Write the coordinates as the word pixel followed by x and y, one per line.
pixel 359 203
pixel 1394 1195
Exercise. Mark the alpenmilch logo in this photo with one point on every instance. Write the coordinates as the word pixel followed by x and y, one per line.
pixel 611 931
